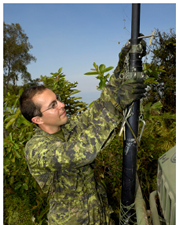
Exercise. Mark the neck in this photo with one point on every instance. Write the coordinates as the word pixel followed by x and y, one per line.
pixel 50 130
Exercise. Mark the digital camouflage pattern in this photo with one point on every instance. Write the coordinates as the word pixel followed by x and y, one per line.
pixel 62 163
pixel 122 68
pixel 130 90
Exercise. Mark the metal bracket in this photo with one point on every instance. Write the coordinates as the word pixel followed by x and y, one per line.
pixel 146 36
pixel 142 129
pixel 151 35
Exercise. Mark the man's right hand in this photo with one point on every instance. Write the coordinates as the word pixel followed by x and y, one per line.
pixel 130 91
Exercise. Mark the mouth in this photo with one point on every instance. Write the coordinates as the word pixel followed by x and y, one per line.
pixel 63 114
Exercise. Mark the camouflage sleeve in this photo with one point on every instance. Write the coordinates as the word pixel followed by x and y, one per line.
pixel 114 82
pixel 108 95
pixel 78 151
pixel 105 101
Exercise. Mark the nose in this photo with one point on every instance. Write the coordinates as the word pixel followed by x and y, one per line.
pixel 60 104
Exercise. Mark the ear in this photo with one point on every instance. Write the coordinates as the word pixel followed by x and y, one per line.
pixel 37 120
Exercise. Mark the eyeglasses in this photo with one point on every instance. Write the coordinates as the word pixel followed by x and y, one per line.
pixel 53 105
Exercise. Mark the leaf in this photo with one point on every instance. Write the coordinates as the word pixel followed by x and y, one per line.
pixel 79 110
pixel 21 91
pixel 18 112
pixel 163 71
pixel 17 154
pixel 102 67
pixel 102 84
pixel 91 104
pixel 60 69
pixel 99 77
pixel 26 122
pixel 17 185
pixel 79 103
pixel 17 99
pixel 8 118
pixel 144 66
pixel 76 98
pixel 16 146
pixel 75 92
pixel 157 105
pixel 95 66
pixel 150 80
pixel 9 109
pixel 6 161
pixel 10 122
pixel 107 76
pixel 155 73
pixel 19 121
pixel 25 186
pixel 91 73
pixel 147 106
pixel 13 160
pixel 107 69
pixel 11 180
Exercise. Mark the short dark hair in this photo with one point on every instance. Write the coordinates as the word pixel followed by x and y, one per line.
pixel 28 108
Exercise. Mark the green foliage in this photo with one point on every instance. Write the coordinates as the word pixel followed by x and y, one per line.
pixel 17 210
pixel 17 131
pixel 163 51
pixel 152 72
pixel 100 70
pixel 18 182
pixel 16 55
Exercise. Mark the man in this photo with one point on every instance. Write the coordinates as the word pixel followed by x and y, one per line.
pixel 61 153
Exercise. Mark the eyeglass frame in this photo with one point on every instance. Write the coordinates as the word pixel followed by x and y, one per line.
pixel 58 98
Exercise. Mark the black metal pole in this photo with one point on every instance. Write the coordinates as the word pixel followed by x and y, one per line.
pixel 130 145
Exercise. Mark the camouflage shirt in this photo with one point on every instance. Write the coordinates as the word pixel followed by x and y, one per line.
pixel 62 163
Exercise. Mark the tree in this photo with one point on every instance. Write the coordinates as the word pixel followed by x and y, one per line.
pixel 16 55
pixel 163 51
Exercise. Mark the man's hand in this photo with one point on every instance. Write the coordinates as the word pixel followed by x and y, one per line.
pixel 122 55
pixel 124 52
pixel 130 91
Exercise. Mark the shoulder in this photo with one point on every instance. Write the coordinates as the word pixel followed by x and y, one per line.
pixel 40 144
pixel 40 138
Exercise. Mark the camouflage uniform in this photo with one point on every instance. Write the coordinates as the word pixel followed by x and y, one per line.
pixel 62 163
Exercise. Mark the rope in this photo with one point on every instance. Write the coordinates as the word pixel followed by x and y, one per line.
pixel 125 219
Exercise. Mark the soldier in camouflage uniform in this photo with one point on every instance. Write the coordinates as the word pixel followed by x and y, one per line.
pixel 60 155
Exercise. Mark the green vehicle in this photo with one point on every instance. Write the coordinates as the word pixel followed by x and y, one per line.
pixel 163 200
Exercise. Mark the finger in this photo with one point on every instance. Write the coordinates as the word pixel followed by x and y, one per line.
pixel 134 81
pixel 138 90
pixel 138 96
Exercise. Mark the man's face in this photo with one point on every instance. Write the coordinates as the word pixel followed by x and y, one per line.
pixel 53 111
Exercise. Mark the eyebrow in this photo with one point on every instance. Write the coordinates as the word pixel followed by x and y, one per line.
pixel 52 102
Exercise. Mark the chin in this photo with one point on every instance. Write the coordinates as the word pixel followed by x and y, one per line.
pixel 65 120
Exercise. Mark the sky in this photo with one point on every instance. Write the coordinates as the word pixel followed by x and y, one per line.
pixel 75 35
